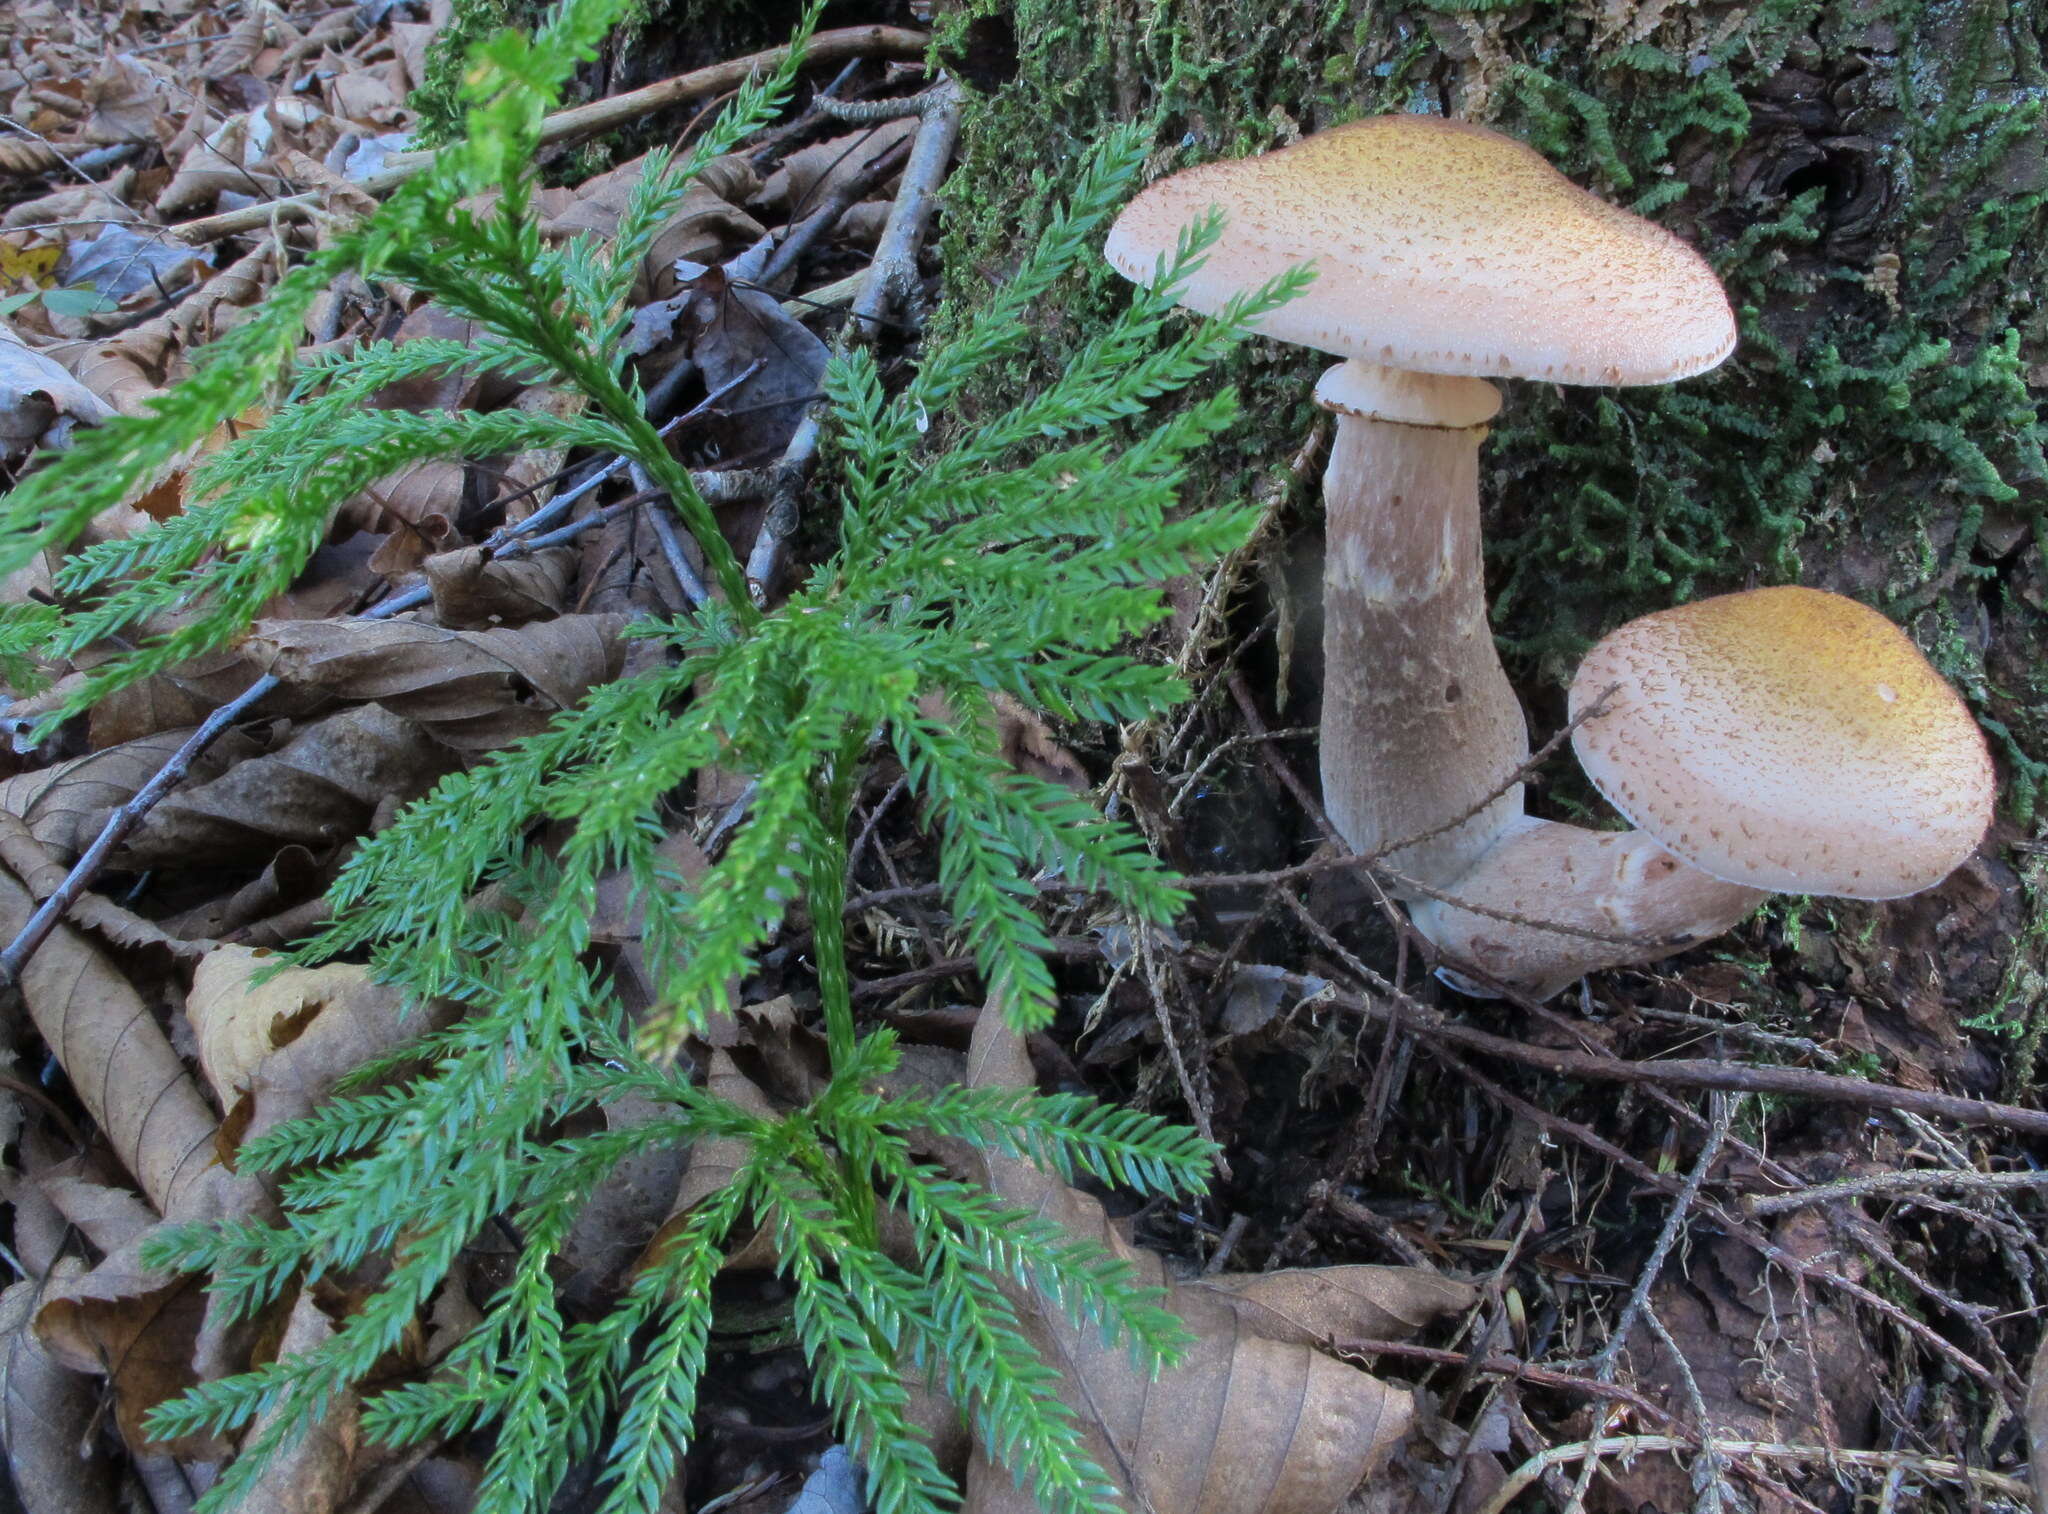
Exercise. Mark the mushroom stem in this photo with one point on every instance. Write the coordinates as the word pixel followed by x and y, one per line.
pixel 1419 721
pixel 1618 883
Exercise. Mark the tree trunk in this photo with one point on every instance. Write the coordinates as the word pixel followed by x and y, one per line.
pixel 1869 180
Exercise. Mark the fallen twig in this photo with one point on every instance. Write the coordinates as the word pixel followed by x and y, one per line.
pixel 1896 1184
pixel 1735 1077
pixel 890 273
pixel 1608 1361
pixel 1636 1445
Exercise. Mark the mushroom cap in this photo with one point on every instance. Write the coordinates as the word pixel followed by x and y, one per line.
pixel 1442 247
pixel 1786 739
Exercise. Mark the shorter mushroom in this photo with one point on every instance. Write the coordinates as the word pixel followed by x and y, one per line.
pixel 1782 740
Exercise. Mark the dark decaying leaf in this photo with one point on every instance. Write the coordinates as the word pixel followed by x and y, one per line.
pixel 474 690
pixel 1255 1420
pixel 735 326
pixel 317 790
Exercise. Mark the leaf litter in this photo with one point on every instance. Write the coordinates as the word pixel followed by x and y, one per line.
pixel 163 162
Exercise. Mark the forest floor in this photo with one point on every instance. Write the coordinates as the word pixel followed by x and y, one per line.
pixel 1737 1201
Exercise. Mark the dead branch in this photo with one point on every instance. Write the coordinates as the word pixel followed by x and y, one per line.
pixel 1897 1184
pixel 1637 1445
pixel 1734 1077
pixel 889 277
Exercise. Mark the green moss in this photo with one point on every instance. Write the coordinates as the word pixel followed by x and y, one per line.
pixel 438 97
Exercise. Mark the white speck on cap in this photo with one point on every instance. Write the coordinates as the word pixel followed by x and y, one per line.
pixel 1788 739
pixel 1441 247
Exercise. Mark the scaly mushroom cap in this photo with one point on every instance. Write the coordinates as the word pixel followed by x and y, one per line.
pixel 1443 247
pixel 1786 739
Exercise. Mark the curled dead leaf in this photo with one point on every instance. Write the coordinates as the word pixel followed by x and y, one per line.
pixel 1255 1420
pixel 474 690
pixel 272 1051
pixel 317 790
pixel 66 803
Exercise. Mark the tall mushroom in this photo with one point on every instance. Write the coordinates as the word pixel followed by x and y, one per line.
pixel 1445 254
pixel 1781 739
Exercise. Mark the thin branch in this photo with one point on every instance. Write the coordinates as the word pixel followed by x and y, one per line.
pixel 889 276
pixel 1895 1185
pixel 1637 1445
pixel 1735 1077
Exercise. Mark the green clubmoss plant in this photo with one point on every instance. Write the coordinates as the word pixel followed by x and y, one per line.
pixel 1018 560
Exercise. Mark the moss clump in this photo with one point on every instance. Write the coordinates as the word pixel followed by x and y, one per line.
pixel 438 97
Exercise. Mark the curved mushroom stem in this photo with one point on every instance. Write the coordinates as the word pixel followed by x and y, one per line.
pixel 1419 721
pixel 1618 883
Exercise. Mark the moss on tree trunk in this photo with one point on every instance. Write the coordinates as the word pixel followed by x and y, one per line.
pixel 1869 177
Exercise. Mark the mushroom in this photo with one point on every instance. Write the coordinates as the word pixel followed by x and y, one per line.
pixel 1445 254
pixel 1781 739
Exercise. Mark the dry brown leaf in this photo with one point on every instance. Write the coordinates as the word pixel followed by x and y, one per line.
pixel 66 803
pixel 273 1051
pixel 46 1419
pixel 290 878
pixel 736 327
pixel 1249 1423
pixel 118 1059
pixel 40 403
pixel 863 224
pixel 1029 745
pixel 809 176
pixel 83 203
pixel 313 1477
pixel 223 160
pixel 25 857
pixel 128 98
pixel 472 591
pixel 126 371
pixel 1767 1365
pixel 317 790
pixel 433 490
pixel 706 226
pixel 474 690
pixel 417 505
pixel 713 1163
pixel 623 1211
pixel 138 1328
